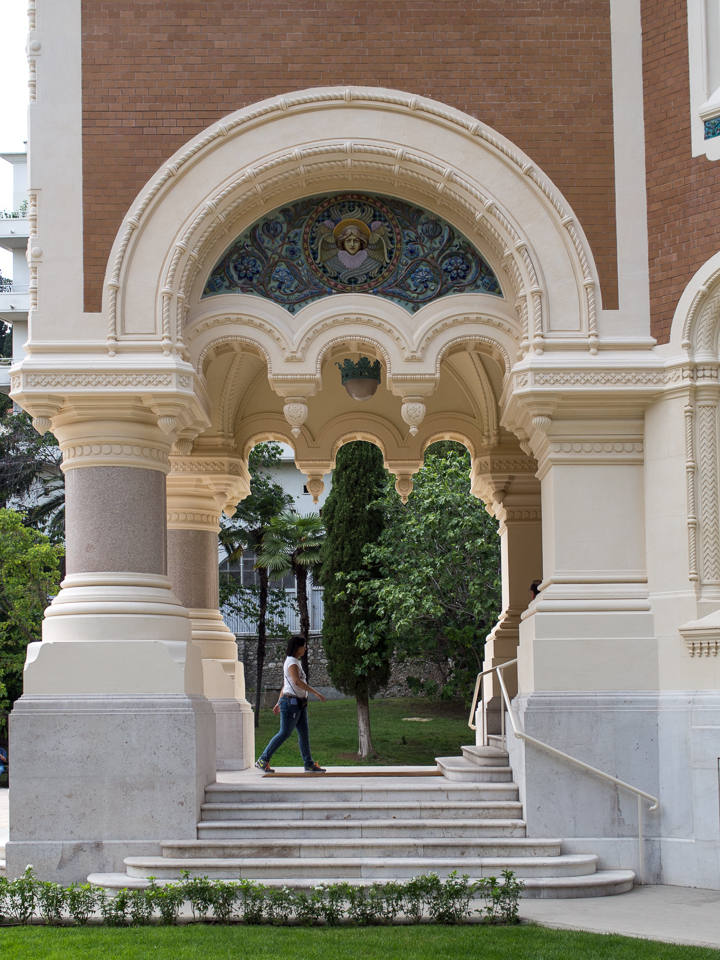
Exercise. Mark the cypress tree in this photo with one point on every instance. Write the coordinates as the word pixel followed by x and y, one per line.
pixel 351 523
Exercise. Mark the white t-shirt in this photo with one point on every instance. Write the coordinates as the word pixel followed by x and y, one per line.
pixel 288 689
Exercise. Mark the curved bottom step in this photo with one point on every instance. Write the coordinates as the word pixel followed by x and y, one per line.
pixel 604 883
pixel 317 869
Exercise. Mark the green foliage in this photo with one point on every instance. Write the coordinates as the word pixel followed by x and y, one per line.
pixel 502 899
pixel 353 521
pixel 29 574
pixel 30 474
pixel 442 901
pixel 244 600
pixel 436 594
pixel 81 901
pixel 293 543
pixel 245 531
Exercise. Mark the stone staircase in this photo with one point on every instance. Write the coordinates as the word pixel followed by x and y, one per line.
pixel 364 824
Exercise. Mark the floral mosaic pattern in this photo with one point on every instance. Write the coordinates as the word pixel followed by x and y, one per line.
pixel 712 128
pixel 351 243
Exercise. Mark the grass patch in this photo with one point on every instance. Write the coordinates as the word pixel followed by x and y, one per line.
pixel 334 738
pixel 385 943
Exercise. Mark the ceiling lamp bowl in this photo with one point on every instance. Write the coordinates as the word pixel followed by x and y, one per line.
pixel 360 379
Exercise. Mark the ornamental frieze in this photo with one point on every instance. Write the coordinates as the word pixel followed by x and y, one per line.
pixel 351 243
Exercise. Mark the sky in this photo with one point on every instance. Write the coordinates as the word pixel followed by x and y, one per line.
pixel 13 101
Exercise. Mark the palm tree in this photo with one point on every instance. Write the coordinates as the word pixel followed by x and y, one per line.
pixel 292 542
pixel 245 531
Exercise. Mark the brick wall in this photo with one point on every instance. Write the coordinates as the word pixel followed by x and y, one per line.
pixel 683 191
pixel 155 74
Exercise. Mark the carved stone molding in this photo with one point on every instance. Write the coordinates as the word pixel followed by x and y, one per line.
pixel 310 164
pixel 702 637
pixel 199 489
pixel 114 455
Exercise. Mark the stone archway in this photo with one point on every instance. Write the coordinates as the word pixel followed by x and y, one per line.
pixel 141 406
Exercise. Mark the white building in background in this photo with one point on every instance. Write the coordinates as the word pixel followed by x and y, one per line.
pixel 15 291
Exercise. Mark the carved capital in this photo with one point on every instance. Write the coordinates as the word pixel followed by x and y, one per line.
pixel 199 489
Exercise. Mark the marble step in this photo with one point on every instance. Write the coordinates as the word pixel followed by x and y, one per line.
pixel 486 756
pixel 460 768
pixel 344 829
pixel 418 790
pixel 391 847
pixel 602 883
pixel 419 810
pixel 287 870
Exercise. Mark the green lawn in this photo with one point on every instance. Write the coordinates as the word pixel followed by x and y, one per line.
pixel 294 943
pixel 334 741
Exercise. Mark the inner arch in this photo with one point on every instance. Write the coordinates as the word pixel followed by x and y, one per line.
pixel 351 243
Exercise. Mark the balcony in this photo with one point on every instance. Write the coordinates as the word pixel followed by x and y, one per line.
pixel 14 300
pixel 14 231
pixel 5 364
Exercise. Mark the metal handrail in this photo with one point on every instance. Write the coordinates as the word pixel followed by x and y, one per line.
pixel 519 735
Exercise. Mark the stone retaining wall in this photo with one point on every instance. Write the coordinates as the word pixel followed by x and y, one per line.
pixel 275 657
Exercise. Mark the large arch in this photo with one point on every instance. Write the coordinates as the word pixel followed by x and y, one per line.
pixel 370 139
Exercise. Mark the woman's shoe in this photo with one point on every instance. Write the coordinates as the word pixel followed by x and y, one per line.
pixel 264 766
pixel 315 768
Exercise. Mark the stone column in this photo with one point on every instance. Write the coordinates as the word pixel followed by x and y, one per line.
pixel 505 480
pixel 198 490
pixel 113 741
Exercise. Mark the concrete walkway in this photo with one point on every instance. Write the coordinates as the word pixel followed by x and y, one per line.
pixel 683 915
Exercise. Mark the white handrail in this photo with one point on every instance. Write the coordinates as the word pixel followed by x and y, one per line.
pixel 519 735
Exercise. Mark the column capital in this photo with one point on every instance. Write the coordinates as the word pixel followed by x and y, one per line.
pixel 112 411
pixel 199 489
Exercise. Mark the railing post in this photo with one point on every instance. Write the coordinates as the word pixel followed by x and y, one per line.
pixel 640 841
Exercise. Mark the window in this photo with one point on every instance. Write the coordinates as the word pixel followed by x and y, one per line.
pixel 704 50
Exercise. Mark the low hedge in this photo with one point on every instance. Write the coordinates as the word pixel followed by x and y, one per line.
pixel 28 899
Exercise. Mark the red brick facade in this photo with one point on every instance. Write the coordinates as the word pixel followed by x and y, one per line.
pixel 156 74
pixel 683 191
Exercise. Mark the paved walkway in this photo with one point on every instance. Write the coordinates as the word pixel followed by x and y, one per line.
pixel 673 914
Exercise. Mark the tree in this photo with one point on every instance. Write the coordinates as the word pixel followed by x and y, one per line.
pixel 245 531
pixel 438 591
pixel 294 542
pixel 353 521
pixel 29 575
pixel 30 474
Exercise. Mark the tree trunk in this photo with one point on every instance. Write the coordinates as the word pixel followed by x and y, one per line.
pixel 365 747
pixel 302 600
pixel 263 577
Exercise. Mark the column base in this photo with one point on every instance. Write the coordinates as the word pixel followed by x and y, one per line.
pixel 98 777
pixel 235 732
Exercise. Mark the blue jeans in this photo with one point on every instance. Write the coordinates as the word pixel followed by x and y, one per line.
pixel 291 717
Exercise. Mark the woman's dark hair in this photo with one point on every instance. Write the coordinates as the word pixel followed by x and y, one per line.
pixel 294 645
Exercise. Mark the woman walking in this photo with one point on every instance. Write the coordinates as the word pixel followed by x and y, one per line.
pixel 292 707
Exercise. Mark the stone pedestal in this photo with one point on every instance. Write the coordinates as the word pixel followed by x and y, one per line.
pixel 197 494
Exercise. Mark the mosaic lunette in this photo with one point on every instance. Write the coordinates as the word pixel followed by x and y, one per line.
pixel 351 243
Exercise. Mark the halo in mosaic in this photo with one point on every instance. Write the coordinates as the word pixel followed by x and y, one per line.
pixel 351 243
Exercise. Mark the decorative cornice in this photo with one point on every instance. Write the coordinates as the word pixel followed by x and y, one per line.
pixel 490 464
